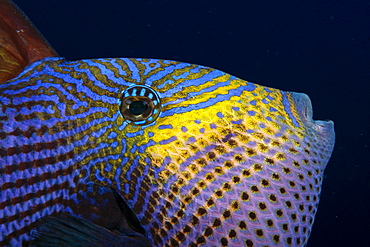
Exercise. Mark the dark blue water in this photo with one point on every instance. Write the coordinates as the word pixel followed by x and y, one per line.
pixel 321 48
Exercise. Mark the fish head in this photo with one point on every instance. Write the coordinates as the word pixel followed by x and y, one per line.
pixel 215 160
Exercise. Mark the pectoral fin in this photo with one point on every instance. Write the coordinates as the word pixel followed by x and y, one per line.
pixel 66 230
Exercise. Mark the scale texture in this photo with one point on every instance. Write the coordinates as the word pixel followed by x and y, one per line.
pixel 226 163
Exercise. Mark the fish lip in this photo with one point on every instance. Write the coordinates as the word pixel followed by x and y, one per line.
pixel 323 126
pixel 303 105
pixel 304 109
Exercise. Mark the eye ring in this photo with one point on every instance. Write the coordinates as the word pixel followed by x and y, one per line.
pixel 140 105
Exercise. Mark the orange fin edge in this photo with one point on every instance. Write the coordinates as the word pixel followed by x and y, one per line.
pixel 20 42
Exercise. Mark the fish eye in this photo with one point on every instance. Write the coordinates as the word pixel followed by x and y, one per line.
pixel 140 105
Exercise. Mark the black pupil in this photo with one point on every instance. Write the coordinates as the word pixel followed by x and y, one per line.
pixel 138 107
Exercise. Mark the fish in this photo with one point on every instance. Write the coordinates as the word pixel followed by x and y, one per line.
pixel 200 157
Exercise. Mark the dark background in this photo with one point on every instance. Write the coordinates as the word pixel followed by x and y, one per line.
pixel 321 48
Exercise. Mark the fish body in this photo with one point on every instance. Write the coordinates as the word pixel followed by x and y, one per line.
pixel 202 157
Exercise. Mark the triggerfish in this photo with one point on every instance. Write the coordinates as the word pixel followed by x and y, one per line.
pixel 149 152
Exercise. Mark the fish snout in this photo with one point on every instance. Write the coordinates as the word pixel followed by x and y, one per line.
pixel 304 109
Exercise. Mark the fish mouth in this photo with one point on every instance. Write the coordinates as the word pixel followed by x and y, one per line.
pixel 304 109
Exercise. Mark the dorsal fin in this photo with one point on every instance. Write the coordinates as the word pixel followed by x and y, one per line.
pixel 20 42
